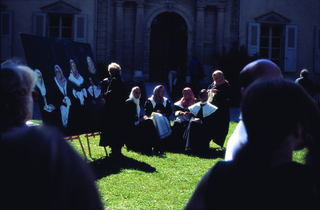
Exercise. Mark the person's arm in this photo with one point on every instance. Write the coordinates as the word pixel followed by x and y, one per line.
pixel 168 109
pixel 148 108
pixel 237 140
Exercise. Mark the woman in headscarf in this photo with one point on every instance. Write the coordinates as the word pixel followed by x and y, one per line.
pixel 62 85
pixel 219 94
pixel 159 109
pixel 182 114
pixel 141 133
pixel 78 90
pixel 91 67
pixel 74 76
pixel 42 89
pixel 158 103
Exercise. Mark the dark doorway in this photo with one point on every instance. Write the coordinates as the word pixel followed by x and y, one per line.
pixel 168 37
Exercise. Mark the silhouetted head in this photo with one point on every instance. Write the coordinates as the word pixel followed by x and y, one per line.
pixel 17 93
pixel 275 108
pixel 114 69
pixel 304 73
pixel 259 69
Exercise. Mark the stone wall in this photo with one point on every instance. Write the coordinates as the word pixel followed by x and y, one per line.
pixel 216 14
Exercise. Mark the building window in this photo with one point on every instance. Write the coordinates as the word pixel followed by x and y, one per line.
pixel 270 43
pixel 274 42
pixel 60 27
pixel 72 27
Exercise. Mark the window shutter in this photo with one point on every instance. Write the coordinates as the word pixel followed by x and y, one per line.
pixel 290 54
pixel 39 24
pixel 317 50
pixel 6 34
pixel 253 38
pixel 80 28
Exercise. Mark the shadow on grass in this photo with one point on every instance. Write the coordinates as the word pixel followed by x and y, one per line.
pixel 211 153
pixel 106 166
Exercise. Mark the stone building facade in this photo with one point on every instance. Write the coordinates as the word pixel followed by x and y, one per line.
pixel 128 33
pixel 141 35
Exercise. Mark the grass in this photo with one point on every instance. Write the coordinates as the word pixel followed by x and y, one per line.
pixel 149 182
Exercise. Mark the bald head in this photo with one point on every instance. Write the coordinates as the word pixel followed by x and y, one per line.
pixel 259 69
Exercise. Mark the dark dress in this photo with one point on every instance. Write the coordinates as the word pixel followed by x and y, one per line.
pixel 165 107
pixel 221 100
pixel 112 132
pixel 78 106
pixel 141 136
pixel 230 186
pixel 198 135
pixel 178 128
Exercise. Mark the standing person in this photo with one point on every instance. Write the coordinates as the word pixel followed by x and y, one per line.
pixel 182 114
pixel 305 82
pixel 257 70
pixel 196 73
pixel 220 88
pixel 141 133
pixel 262 174
pixel 54 175
pixel 172 70
pixel 201 128
pixel 112 128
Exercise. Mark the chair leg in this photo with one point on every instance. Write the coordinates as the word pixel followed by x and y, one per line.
pixel 88 145
pixel 82 148
pixel 105 151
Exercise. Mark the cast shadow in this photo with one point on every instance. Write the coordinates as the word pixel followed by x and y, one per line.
pixel 106 166
pixel 211 153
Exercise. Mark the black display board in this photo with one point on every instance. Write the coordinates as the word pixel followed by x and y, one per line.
pixel 68 83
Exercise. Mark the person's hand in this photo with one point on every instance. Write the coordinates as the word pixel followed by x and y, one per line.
pixel 198 120
pixel 105 80
pixel 214 90
pixel 145 117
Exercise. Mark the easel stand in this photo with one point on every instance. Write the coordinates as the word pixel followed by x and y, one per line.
pixel 71 138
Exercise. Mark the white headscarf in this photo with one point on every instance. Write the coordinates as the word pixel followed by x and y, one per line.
pixel 136 101
pixel 41 87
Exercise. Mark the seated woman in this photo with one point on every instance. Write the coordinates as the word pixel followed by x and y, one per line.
pixel 159 109
pixel 141 133
pixel 201 127
pixel 182 114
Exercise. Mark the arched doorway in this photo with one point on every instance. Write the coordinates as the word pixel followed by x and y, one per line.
pixel 168 37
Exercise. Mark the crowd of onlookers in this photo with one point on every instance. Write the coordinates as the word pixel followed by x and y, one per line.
pixel 277 118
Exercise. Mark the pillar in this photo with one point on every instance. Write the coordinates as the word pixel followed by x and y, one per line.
pixel 220 30
pixel 118 31
pixel 199 32
pixel 138 42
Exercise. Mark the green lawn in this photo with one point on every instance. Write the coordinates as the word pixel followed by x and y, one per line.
pixel 149 182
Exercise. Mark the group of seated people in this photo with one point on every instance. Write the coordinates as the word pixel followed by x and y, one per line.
pixel 192 129
pixel 278 116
